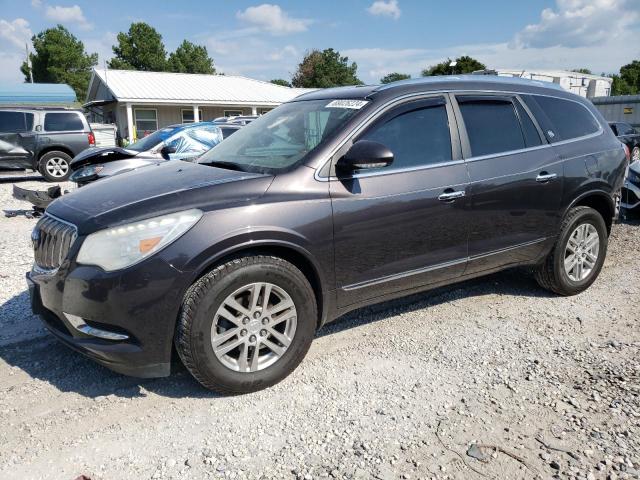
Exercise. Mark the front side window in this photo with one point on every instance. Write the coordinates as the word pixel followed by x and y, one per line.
pixel 492 125
pixel 626 129
pixel 146 121
pixel 63 122
pixel 15 122
pixel 567 119
pixel 418 136
pixel 283 138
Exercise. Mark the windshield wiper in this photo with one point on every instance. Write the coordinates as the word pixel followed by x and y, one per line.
pixel 227 165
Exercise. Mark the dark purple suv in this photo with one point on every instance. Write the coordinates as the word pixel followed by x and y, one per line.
pixel 342 198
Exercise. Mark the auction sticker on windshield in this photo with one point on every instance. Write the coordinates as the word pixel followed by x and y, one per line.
pixel 353 104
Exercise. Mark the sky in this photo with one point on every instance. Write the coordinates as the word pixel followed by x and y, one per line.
pixel 268 40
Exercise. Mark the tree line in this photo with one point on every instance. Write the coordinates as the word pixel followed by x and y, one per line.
pixel 60 57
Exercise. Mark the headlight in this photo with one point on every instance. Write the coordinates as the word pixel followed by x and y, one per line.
pixel 120 247
pixel 86 172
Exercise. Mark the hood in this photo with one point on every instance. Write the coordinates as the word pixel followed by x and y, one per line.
pixel 96 155
pixel 156 190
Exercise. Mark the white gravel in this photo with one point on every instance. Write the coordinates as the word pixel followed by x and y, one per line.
pixel 400 390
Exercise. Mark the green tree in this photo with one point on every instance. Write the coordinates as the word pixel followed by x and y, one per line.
pixel 326 68
pixel 620 86
pixel 630 73
pixel 464 64
pixel 584 71
pixel 191 58
pixel 394 77
pixel 141 48
pixel 281 81
pixel 59 57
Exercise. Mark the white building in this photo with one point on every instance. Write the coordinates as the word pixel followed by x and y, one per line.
pixel 142 102
pixel 582 84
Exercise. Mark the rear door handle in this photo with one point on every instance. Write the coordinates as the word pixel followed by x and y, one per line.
pixel 545 177
pixel 449 196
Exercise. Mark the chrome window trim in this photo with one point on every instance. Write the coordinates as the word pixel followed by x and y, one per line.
pixel 382 109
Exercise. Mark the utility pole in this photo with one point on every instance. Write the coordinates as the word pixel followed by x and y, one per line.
pixel 26 46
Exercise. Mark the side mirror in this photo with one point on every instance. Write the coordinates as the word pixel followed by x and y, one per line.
pixel 365 154
pixel 167 150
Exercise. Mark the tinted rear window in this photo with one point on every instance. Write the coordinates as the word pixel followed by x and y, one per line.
pixel 492 125
pixel 531 135
pixel 15 122
pixel 568 119
pixel 62 122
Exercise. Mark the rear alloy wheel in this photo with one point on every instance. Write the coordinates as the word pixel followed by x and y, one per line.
pixel 247 324
pixel 578 255
pixel 55 166
pixel 635 154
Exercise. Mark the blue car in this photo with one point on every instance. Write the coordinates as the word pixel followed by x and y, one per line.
pixel 175 142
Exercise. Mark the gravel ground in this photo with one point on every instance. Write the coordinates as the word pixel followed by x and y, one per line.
pixel 493 378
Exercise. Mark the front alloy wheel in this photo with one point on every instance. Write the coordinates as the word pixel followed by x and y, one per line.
pixel 247 324
pixel 254 327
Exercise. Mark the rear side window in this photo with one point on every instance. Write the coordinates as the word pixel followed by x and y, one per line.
pixel 417 137
pixel 62 122
pixel 15 122
pixel 492 125
pixel 568 119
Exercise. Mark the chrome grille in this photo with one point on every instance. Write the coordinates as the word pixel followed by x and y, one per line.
pixel 52 238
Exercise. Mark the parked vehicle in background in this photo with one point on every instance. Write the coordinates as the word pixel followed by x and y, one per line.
pixel 175 142
pixel 630 197
pixel 339 199
pixel 43 139
pixel 228 129
pixel 629 136
pixel 237 120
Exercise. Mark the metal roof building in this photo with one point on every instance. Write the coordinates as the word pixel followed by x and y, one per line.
pixel 622 108
pixel 140 102
pixel 36 94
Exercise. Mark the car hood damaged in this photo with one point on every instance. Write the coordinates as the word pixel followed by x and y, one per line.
pixel 156 190
pixel 95 155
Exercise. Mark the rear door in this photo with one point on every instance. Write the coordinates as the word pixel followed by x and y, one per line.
pixel 403 226
pixel 515 180
pixel 65 129
pixel 17 139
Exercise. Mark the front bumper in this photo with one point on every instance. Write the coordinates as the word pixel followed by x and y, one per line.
pixel 139 306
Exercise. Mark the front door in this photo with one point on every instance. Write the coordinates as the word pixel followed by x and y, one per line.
pixel 403 226
pixel 17 139
pixel 515 181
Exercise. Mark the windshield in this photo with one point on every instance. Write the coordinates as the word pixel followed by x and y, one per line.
pixel 150 141
pixel 283 137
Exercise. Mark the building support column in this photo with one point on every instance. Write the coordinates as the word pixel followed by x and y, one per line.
pixel 130 122
pixel 196 114
pixel 254 110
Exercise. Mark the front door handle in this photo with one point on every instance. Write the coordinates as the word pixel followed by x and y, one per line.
pixel 544 177
pixel 449 196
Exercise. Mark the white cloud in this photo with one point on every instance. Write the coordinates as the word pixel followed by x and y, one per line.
pixel 387 8
pixel 68 15
pixel 36 3
pixel 272 19
pixel 576 23
pixel 15 33
pixel 102 46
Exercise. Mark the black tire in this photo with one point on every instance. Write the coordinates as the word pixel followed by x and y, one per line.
pixel 62 159
pixel 551 274
pixel 193 332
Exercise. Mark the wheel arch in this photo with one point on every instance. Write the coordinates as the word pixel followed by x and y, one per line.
pixel 53 148
pixel 292 253
pixel 601 202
